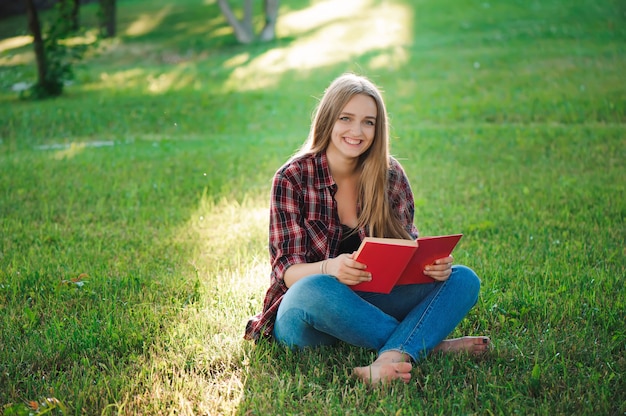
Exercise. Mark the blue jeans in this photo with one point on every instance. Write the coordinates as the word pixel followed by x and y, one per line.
pixel 412 319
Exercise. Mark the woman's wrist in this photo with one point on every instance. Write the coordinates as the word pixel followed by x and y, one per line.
pixel 323 266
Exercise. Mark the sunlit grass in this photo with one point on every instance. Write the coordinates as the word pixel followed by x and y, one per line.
pixel 146 23
pixel 14 42
pixel 133 210
pixel 203 374
pixel 329 33
pixel 178 305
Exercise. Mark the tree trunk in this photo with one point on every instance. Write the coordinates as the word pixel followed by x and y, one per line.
pixel 40 52
pixel 248 12
pixel 107 22
pixel 74 15
pixel 243 33
pixel 271 15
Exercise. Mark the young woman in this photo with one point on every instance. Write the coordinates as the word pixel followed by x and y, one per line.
pixel 340 187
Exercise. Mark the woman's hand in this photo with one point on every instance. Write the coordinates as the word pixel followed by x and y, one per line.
pixel 347 270
pixel 441 269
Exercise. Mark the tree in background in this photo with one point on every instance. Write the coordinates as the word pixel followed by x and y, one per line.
pixel 69 10
pixel 54 59
pixel 40 52
pixel 107 18
pixel 244 28
pixel 51 70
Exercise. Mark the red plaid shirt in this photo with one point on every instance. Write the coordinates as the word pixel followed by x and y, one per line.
pixel 305 227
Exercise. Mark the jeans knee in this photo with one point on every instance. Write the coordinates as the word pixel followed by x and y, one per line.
pixel 466 279
pixel 309 291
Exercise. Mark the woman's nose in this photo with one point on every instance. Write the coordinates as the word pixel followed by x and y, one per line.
pixel 356 129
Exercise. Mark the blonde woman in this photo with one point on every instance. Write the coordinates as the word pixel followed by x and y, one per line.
pixel 341 186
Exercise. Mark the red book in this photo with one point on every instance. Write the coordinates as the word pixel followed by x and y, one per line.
pixel 394 261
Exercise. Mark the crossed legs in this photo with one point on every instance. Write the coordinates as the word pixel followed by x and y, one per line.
pixel 403 326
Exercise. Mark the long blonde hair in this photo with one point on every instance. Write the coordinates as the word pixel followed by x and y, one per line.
pixel 375 212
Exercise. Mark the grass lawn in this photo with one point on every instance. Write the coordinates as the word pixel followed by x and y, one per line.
pixel 133 209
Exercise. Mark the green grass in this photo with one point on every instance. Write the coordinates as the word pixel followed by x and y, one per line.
pixel 128 270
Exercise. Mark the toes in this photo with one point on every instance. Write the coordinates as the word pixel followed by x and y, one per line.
pixel 479 340
pixel 375 374
pixel 481 345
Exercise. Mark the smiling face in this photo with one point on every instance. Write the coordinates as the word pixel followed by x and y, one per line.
pixel 355 128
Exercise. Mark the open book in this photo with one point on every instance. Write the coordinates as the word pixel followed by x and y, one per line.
pixel 401 262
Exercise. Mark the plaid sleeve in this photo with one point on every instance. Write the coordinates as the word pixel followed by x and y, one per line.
pixel 287 238
pixel 401 197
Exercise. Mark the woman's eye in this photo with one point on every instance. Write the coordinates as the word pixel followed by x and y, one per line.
pixel 344 118
pixel 369 123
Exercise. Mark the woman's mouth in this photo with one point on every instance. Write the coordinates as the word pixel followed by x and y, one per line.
pixel 353 142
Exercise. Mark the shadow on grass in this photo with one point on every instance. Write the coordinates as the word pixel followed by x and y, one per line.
pixel 320 381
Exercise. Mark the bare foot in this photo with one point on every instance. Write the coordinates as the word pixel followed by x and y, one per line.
pixel 470 345
pixel 389 366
